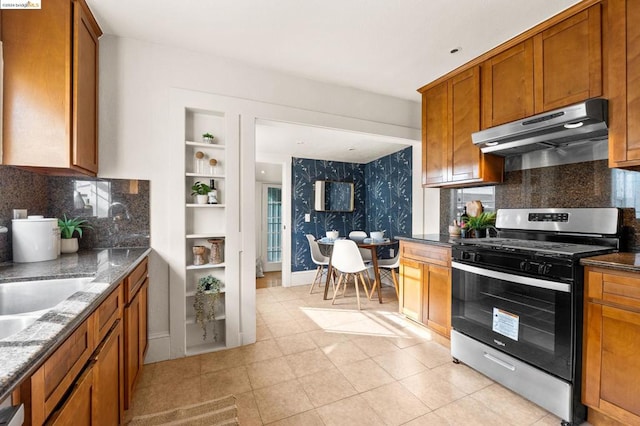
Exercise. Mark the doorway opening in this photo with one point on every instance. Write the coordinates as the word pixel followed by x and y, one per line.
pixel 269 225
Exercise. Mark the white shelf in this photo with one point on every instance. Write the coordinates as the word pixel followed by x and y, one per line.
pixel 206 206
pixel 193 293
pixel 204 175
pixel 206 266
pixel 192 320
pixel 205 347
pixel 205 145
pixel 201 236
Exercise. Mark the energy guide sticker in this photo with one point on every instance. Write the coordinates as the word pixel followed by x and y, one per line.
pixel 20 4
pixel 506 323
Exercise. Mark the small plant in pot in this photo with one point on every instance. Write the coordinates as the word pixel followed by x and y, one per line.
pixel 207 294
pixel 201 191
pixel 207 138
pixel 68 228
pixel 479 224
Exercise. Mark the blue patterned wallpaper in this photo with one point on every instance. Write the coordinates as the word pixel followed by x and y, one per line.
pixel 382 200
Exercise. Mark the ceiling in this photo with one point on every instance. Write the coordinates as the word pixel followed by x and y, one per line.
pixel 390 47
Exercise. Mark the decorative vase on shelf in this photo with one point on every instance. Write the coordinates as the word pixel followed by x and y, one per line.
pixel 68 245
pixel 199 255
pixel 202 199
pixel 216 255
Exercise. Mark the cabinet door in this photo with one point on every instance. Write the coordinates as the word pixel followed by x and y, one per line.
pixel 108 396
pixel 435 135
pixel 131 347
pixel 436 311
pixel 411 277
pixel 633 82
pixel 78 408
pixel 612 365
pixel 464 109
pixel 568 61
pixel 85 93
pixel 507 86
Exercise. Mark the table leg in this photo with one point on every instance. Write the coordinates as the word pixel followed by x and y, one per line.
pixel 376 272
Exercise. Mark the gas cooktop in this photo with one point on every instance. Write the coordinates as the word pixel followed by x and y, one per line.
pixel 548 247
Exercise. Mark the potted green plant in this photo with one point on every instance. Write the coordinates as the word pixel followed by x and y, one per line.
pixel 207 138
pixel 201 191
pixel 68 228
pixel 207 294
pixel 479 224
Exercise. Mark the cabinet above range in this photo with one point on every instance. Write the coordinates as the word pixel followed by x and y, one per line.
pixel 50 122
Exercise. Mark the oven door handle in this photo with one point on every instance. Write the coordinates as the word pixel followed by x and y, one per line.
pixel 518 279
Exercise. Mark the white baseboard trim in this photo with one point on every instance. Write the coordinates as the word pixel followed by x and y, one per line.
pixel 302 277
pixel 159 348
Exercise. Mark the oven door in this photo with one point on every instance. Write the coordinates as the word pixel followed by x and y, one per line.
pixel 528 318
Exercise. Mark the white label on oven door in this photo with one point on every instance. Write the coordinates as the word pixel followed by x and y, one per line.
pixel 506 323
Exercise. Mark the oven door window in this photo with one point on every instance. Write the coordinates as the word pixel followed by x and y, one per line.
pixel 525 321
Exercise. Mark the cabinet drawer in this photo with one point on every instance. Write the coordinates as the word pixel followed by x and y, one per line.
pixel 426 253
pixel 50 383
pixel 134 281
pixel 616 287
pixel 109 311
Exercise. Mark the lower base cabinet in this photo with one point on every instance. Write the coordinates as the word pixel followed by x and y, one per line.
pixel 611 365
pixel 425 285
pixel 78 407
pixel 108 395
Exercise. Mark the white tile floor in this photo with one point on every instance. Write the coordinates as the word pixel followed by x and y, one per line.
pixel 320 364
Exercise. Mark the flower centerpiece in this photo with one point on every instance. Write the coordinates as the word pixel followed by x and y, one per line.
pixel 207 294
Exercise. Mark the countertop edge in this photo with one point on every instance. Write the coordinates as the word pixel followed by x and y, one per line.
pixel 33 362
pixel 617 261
pixel 432 239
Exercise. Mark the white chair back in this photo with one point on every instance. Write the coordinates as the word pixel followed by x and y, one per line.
pixel 316 255
pixel 346 257
pixel 390 263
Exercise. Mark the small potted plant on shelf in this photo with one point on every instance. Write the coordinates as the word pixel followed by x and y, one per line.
pixel 479 224
pixel 207 138
pixel 69 227
pixel 201 191
pixel 207 294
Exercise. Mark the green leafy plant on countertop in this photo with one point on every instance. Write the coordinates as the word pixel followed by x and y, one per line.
pixel 68 227
pixel 200 188
pixel 480 223
pixel 207 294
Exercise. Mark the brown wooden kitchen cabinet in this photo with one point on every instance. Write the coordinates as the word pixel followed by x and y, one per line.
pixel 623 50
pixel 51 88
pixel 425 285
pixel 450 113
pixel 108 405
pixel 77 409
pixel 568 61
pixel 611 366
pixel 507 86
pixel 135 327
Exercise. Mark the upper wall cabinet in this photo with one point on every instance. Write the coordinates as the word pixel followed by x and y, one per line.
pixel 624 83
pixel 507 85
pixel 450 113
pixel 568 61
pixel 51 88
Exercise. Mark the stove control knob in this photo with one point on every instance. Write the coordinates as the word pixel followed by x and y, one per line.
pixel 544 269
pixel 475 257
pixel 524 266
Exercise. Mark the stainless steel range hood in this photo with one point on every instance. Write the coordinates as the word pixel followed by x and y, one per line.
pixel 583 122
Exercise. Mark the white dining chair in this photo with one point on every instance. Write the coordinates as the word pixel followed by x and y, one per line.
pixel 390 265
pixel 320 260
pixel 347 260
pixel 359 236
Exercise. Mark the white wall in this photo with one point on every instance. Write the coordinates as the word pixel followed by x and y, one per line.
pixel 135 82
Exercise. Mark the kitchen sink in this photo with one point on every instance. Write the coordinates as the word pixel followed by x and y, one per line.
pixel 30 296
pixel 11 324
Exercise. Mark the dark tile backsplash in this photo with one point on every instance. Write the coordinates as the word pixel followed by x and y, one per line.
pixel 589 184
pixel 125 216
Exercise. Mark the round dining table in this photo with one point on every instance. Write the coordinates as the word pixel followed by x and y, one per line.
pixel 368 244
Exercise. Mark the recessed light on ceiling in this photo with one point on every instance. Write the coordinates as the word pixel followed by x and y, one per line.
pixel 455 50
pixel 261 171
pixel 300 142
pixel 351 149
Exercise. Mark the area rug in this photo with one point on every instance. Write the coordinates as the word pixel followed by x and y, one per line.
pixel 216 412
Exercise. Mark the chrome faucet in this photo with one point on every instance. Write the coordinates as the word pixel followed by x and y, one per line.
pixel 118 211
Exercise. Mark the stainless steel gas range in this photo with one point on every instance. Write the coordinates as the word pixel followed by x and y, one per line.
pixel 517 301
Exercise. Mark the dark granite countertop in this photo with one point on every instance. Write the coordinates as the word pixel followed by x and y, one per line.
pixel 622 261
pixel 435 239
pixel 22 353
